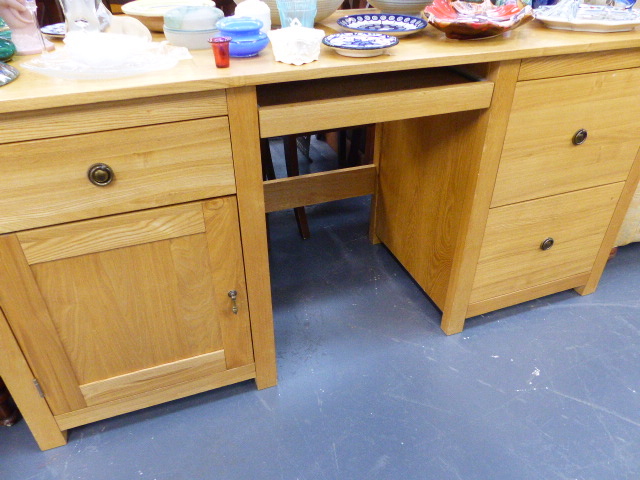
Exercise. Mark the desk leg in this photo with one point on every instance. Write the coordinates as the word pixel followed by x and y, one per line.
pixel 486 141
pixel 245 144
pixel 614 227
pixel 17 375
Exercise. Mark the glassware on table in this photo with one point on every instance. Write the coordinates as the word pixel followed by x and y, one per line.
pixel 81 15
pixel 304 10
pixel 220 46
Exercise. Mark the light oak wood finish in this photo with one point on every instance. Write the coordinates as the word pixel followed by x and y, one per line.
pixel 56 122
pixel 288 109
pixel 147 119
pixel 563 65
pixel 149 379
pixel 133 313
pixel 525 295
pixel 30 321
pixel 539 158
pixel 243 121
pixel 511 257
pixel 630 187
pixel 17 376
pixel 108 233
pixel 154 397
pixel 285 193
pixel 442 180
pixel 154 166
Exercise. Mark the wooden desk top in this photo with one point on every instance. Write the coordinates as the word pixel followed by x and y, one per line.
pixel 429 48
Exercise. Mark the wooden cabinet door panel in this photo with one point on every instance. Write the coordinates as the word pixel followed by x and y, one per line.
pixel 138 301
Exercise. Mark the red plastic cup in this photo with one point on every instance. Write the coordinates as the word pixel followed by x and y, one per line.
pixel 220 46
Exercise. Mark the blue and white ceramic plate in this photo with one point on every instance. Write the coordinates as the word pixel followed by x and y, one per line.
pixel 360 44
pixel 57 30
pixel 390 24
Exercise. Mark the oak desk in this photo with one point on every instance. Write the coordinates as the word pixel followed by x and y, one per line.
pixel 132 211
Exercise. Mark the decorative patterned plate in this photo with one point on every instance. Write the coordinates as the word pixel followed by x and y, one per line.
pixel 390 24
pixel 589 18
pixel 57 30
pixel 464 20
pixel 360 44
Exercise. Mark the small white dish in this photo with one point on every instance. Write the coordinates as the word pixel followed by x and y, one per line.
pixel 389 24
pixel 360 44
pixel 296 45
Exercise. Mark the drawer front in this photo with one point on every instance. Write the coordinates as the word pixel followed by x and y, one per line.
pixel 512 258
pixel 45 182
pixel 539 157
pixel 102 115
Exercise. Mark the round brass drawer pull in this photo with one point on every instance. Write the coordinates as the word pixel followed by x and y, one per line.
pixel 100 174
pixel 579 137
pixel 547 243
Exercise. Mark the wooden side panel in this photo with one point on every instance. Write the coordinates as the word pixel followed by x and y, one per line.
pixel 108 233
pixel 95 117
pixel 154 166
pixel 227 272
pixel 511 258
pixel 421 185
pixel 34 329
pixel 17 375
pixel 563 65
pixel 539 158
pixel 245 138
pixel 435 191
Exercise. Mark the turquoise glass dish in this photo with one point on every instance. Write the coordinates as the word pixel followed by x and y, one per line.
pixel 7 49
pixel 246 38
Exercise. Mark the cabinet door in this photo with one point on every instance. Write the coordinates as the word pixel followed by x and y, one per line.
pixel 116 307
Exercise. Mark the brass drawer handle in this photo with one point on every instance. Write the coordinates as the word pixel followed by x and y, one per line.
pixel 100 174
pixel 547 243
pixel 579 137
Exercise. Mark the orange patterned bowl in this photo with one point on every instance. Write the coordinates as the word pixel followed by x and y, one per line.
pixel 462 20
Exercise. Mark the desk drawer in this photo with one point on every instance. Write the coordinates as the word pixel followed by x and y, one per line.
pixel 512 258
pixel 45 182
pixel 539 157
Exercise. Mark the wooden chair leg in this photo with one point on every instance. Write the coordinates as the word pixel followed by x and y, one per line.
pixel 268 172
pixel 293 170
pixel 9 413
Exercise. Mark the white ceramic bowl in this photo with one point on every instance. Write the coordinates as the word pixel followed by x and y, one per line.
pixel 406 7
pixel 191 39
pixel 151 12
pixel 325 8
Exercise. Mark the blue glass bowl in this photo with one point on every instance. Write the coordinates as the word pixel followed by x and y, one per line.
pixel 246 38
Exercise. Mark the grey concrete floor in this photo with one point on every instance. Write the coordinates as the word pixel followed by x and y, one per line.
pixel 370 388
